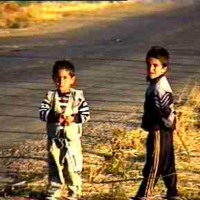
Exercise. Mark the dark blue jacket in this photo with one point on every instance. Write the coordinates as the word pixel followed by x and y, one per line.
pixel 159 106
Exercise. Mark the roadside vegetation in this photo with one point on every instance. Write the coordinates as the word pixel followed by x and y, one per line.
pixel 113 165
pixel 15 15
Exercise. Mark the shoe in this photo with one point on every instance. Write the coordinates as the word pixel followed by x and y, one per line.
pixel 156 197
pixel 73 197
pixel 174 198
pixel 52 198
pixel 54 194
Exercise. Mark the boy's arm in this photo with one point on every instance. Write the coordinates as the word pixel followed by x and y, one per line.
pixel 46 112
pixel 163 103
pixel 83 114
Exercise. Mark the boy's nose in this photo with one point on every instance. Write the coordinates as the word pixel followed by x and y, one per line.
pixel 62 80
pixel 151 68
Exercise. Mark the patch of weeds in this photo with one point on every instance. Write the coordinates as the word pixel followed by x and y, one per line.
pixel 116 192
pixel 197 118
pixel 189 194
pixel 116 166
pixel 122 145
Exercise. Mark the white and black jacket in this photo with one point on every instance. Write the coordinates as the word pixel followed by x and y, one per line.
pixel 70 104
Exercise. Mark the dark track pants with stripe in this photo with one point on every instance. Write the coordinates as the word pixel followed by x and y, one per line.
pixel 160 161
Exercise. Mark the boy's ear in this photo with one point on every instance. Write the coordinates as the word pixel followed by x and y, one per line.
pixel 164 69
pixel 73 81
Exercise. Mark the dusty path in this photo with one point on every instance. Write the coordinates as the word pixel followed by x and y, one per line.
pixel 117 40
pixel 109 58
pixel 111 12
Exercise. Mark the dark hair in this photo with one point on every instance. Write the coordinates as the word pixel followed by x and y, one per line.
pixel 63 64
pixel 159 53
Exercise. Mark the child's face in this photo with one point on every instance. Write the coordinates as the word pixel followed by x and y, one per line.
pixel 64 80
pixel 155 68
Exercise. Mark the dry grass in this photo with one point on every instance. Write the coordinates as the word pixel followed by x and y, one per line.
pixel 116 172
pixel 188 160
pixel 112 170
pixel 13 15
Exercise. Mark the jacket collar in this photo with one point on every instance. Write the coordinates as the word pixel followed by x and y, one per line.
pixel 155 80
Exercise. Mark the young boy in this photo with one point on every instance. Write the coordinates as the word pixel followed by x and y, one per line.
pixel 64 110
pixel 159 120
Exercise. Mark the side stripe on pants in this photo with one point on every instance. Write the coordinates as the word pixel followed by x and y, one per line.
pixel 154 168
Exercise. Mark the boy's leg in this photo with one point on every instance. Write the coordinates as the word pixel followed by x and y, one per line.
pixel 169 171
pixel 151 170
pixel 56 177
pixel 73 168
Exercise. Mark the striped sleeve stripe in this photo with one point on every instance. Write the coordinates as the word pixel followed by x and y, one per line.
pixel 44 107
pixel 85 114
pixel 166 100
pixel 84 118
pixel 44 110
pixel 41 115
pixel 84 104
pixel 45 101
pixel 84 109
pixel 157 101
pixel 46 115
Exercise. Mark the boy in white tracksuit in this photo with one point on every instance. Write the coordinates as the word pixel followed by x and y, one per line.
pixel 64 110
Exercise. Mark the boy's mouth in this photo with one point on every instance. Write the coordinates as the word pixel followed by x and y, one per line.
pixel 60 85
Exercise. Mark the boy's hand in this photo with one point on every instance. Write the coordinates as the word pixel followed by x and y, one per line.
pixel 69 120
pixel 61 118
pixel 177 125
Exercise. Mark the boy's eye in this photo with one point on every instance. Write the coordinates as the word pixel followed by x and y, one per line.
pixel 151 65
pixel 61 78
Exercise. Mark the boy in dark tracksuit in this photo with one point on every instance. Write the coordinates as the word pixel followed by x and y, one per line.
pixel 159 120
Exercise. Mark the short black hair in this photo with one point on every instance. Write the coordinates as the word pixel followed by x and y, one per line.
pixel 159 53
pixel 63 64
